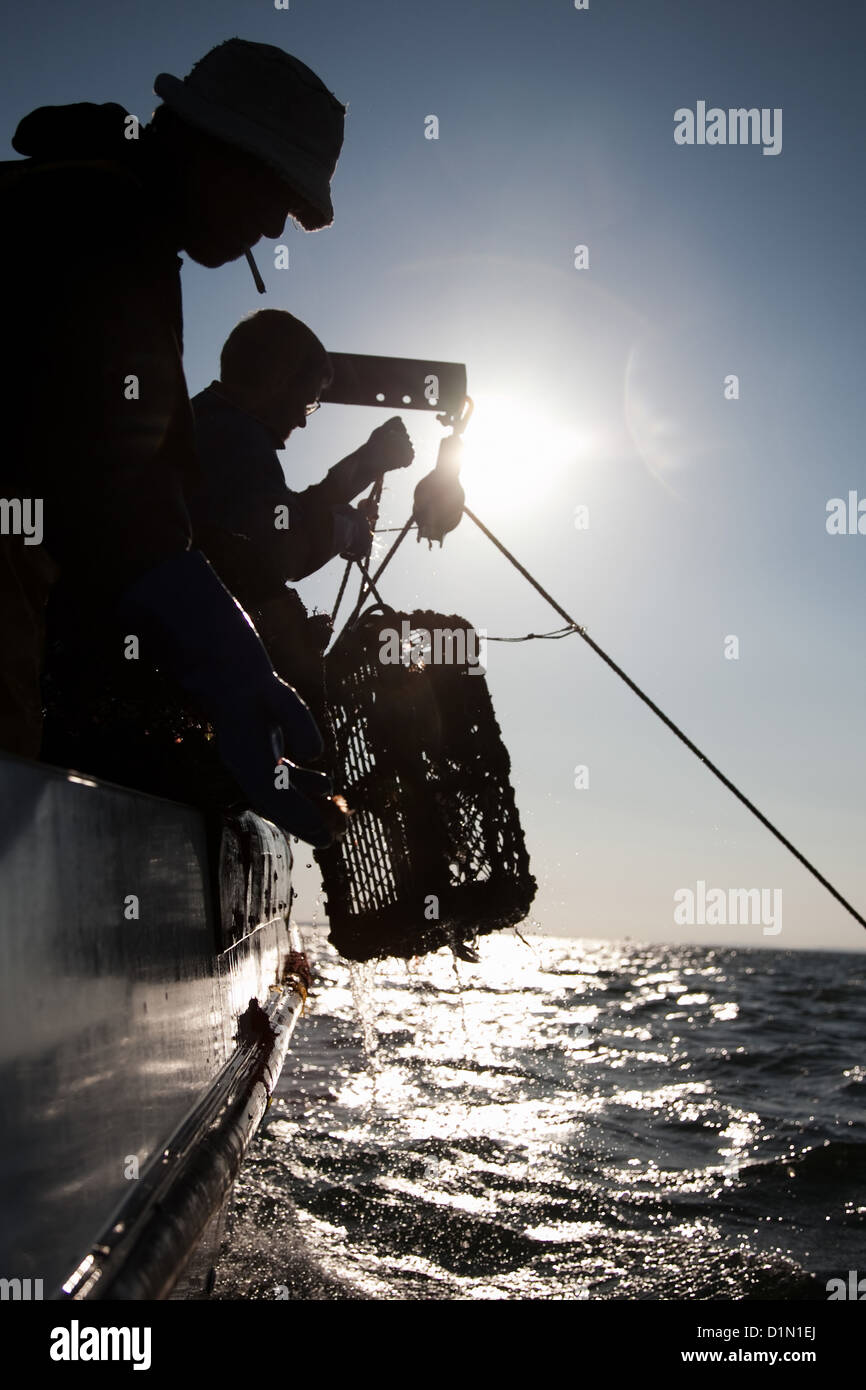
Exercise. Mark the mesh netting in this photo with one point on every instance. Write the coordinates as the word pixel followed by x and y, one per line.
pixel 434 854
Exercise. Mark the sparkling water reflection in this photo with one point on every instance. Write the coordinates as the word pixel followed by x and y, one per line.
pixel 577 1119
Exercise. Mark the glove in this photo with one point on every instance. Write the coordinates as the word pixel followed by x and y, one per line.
pixel 205 639
pixel 389 446
pixel 353 538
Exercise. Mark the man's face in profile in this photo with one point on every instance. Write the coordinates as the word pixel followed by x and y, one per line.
pixel 228 201
pixel 293 404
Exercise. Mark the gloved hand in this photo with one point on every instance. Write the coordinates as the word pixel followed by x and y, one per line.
pixel 390 446
pixel 352 535
pixel 198 632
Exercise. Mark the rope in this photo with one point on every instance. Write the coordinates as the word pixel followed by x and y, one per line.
pixel 556 636
pixel 366 585
pixel 339 598
pixel 392 552
pixel 370 583
pixel 374 496
pixel 674 728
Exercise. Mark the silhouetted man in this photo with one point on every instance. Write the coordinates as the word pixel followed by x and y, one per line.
pixel 257 532
pixel 97 420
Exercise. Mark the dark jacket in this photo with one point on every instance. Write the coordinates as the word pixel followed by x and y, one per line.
pixel 233 510
pixel 91 300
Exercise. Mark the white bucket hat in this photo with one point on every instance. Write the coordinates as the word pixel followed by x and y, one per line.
pixel 264 101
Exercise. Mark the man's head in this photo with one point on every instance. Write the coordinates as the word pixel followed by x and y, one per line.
pixel 223 199
pixel 249 137
pixel 274 366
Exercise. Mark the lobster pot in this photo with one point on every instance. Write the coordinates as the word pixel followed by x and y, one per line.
pixel 434 854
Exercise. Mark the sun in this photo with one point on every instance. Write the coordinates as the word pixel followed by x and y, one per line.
pixel 514 458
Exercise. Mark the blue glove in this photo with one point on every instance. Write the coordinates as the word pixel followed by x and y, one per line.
pixel 353 538
pixel 204 638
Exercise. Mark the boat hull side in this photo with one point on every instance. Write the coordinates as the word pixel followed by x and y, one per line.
pixel 120 990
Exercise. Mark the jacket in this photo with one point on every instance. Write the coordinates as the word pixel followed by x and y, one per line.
pixel 96 417
pixel 233 508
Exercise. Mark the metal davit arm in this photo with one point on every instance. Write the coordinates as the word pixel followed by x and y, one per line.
pixel 396 383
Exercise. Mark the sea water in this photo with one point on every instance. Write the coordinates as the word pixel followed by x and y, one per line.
pixel 567 1119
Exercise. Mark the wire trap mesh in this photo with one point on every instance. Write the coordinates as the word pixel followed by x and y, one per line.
pixel 434 854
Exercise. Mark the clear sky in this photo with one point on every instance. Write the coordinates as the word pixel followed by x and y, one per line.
pixel 600 387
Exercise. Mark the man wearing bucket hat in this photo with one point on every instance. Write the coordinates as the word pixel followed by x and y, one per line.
pixel 97 418
pixel 282 130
